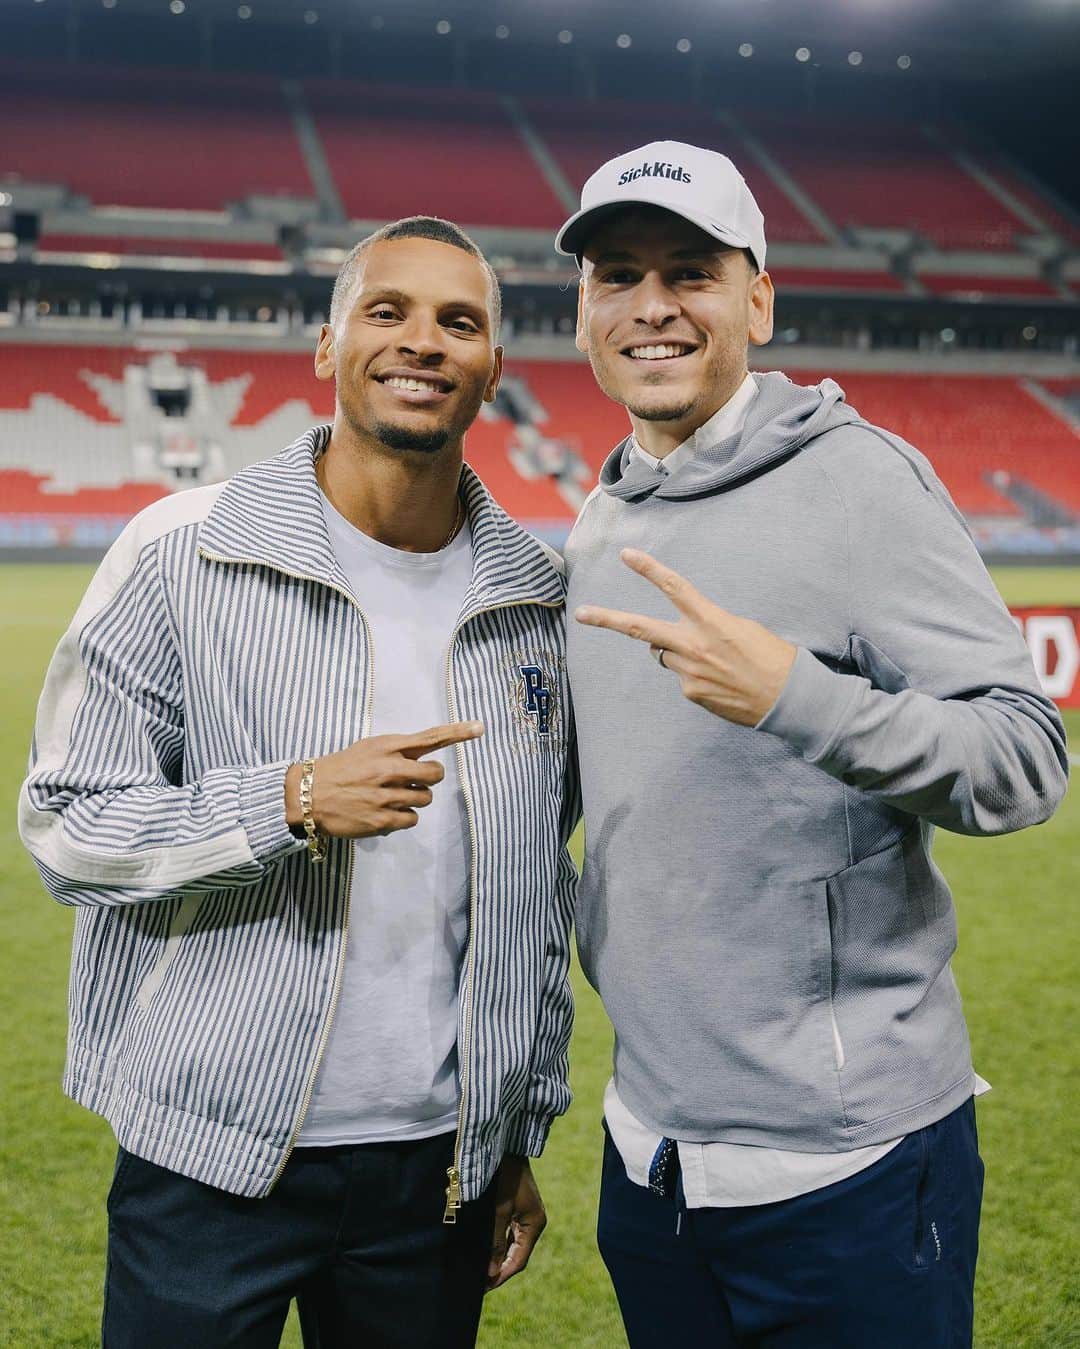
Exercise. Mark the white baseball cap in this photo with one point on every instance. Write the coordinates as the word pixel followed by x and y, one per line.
pixel 700 185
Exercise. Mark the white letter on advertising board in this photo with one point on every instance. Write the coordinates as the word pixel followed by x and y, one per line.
pixel 1054 630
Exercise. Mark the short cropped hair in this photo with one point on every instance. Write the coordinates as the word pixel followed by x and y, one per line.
pixel 415 227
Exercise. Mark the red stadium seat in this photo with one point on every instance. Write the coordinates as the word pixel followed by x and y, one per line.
pixel 819 279
pixel 24 494
pixel 131 246
pixel 398 152
pixel 965 285
pixel 969 426
pixel 885 174
pixel 582 135
pixel 189 142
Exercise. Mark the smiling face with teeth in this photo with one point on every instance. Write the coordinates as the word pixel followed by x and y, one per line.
pixel 665 314
pixel 412 353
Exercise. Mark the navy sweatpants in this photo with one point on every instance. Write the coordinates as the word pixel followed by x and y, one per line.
pixel 355 1234
pixel 882 1260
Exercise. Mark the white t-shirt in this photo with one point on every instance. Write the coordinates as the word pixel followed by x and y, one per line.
pixel 390 1069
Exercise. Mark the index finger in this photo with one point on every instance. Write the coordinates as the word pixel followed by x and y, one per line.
pixel 438 737
pixel 655 631
pixel 685 596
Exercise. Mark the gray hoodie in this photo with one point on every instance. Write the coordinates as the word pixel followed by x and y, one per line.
pixel 759 909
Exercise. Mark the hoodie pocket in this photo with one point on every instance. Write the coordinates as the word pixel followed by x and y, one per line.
pixel 182 920
pixel 893 998
pixel 828 977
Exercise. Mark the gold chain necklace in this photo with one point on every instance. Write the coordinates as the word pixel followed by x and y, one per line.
pixel 459 520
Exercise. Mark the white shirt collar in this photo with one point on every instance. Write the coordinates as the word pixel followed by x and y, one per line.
pixel 726 421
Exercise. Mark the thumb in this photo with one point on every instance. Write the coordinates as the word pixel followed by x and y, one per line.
pixel 499 1241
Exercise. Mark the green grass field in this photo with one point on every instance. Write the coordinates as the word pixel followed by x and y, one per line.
pixel 1017 899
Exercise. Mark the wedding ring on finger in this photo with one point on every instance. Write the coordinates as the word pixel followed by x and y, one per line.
pixel 658 653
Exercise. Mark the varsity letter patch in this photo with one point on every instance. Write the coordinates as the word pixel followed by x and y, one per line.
pixel 537 697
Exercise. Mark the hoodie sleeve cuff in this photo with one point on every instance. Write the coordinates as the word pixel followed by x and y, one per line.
pixel 262 812
pixel 526 1135
pixel 812 706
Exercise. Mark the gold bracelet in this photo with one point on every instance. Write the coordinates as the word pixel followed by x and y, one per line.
pixel 316 842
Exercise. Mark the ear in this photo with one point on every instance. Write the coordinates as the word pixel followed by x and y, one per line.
pixel 580 339
pixel 496 375
pixel 325 356
pixel 761 309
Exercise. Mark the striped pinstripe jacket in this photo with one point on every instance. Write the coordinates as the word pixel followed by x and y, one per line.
pixel 218 643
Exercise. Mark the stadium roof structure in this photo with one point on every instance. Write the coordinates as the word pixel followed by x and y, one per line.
pixel 947 38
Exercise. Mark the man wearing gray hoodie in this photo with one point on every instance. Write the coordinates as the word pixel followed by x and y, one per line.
pixel 791 1156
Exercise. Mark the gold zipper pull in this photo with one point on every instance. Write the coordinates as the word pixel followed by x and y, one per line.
pixel 453 1194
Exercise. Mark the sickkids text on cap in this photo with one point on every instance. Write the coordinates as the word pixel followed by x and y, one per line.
pixel 700 185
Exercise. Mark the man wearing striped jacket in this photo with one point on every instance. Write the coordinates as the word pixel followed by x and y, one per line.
pixel 303 766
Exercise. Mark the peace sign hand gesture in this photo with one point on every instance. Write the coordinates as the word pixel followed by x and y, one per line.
pixel 731 666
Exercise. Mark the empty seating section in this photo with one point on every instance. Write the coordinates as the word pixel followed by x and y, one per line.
pixel 28 371
pixel 578 414
pixel 970 426
pixel 131 246
pixel 63 450
pixel 582 135
pixel 396 152
pixel 182 142
pixel 966 284
pixel 881 174
pixel 27 494
pixel 195 141
pixel 1013 180
pixel 1043 208
pixel 829 278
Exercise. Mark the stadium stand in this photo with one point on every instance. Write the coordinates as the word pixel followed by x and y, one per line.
pixel 205 142
pixel 135 246
pixel 66 441
pixel 884 174
pixel 27 493
pixel 396 152
pixel 1023 189
pixel 581 135
pixel 833 279
pixel 970 427
pixel 131 138
pixel 980 285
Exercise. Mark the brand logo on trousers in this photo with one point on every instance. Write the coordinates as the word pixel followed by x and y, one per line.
pixel 656 168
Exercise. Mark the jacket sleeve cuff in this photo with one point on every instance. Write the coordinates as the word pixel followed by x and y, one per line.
pixel 262 812
pixel 526 1135
pixel 812 706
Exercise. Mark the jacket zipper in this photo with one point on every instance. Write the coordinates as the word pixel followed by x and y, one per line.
pixel 365 728
pixel 453 1171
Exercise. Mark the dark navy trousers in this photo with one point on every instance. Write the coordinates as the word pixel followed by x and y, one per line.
pixel 355 1234
pixel 882 1260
